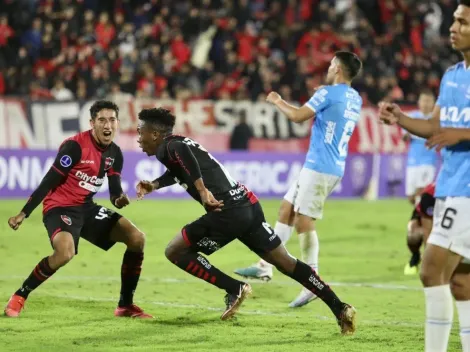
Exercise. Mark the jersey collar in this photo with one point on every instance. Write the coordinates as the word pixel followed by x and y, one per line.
pixel 95 143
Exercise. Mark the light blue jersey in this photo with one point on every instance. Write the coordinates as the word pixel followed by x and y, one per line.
pixel 337 110
pixel 454 100
pixel 418 153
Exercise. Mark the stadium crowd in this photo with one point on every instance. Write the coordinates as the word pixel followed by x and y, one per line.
pixel 219 49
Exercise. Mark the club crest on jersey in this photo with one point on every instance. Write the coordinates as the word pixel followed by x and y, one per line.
pixel 108 163
pixel 66 219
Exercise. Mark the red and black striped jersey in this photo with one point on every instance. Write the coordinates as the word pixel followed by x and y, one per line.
pixel 78 173
pixel 187 161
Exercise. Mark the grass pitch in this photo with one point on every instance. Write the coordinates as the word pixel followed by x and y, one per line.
pixel 362 255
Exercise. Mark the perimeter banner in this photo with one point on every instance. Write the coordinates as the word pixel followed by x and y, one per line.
pixel 269 175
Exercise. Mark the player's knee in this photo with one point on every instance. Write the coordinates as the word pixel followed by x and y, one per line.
pixel 428 276
pixel 136 241
pixel 64 256
pixel 460 288
pixel 171 253
pixel 303 223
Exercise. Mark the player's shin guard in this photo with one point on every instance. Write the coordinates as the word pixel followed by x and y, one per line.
pixel 198 266
pixel 306 276
pixel 130 274
pixel 439 315
pixel 463 307
pixel 41 273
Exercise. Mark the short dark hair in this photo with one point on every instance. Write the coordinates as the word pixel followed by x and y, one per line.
pixel 162 119
pixel 103 104
pixel 350 62
pixel 427 91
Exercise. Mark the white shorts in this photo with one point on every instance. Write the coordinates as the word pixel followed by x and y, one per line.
pixel 418 177
pixel 451 225
pixel 309 192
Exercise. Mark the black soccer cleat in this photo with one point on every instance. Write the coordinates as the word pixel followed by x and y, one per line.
pixel 234 301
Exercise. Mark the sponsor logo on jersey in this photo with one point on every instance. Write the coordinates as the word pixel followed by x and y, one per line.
pixel 90 183
pixel 66 219
pixel 454 114
pixel 108 163
pixel 87 161
pixel 65 161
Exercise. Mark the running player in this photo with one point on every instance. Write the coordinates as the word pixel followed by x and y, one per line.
pixel 421 162
pixel 335 109
pixel 419 227
pixel 69 212
pixel 233 212
pixel 449 242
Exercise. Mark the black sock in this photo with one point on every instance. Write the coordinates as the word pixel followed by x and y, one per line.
pixel 415 259
pixel 41 273
pixel 198 266
pixel 130 274
pixel 414 246
pixel 307 277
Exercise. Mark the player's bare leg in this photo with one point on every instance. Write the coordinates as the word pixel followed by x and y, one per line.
pixel 180 253
pixel 460 288
pixel 283 228
pixel 64 251
pixel 437 269
pixel 126 232
pixel 414 241
pixel 306 276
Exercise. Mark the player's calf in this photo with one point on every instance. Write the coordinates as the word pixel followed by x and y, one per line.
pixel 126 232
pixel 183 256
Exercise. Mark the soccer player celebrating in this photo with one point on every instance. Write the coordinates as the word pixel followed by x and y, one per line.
pixel 233 212
pixel 69 212
pixel 419 227
pixel 421 162
pixel 449 241
pixel 335 109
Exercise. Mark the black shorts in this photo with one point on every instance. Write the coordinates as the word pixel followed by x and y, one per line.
pixel 214 230
pixel 92 222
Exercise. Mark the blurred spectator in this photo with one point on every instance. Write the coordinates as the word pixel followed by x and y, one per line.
pixel 60 92
pixel 241 134
pixel 214 49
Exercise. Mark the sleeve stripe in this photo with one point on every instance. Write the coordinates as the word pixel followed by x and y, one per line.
pixel 310 106
pixel 56 169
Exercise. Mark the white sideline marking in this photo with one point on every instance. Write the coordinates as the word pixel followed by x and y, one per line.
pixel 380 286
pixel 242 311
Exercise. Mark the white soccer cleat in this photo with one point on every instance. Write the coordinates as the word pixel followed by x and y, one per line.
pixel 256 271
pixel 303 298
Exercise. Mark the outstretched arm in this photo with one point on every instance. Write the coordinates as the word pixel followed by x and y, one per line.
pixel 292 112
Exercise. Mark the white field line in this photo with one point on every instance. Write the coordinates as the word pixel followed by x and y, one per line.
pixel 242 311
pixel 380 286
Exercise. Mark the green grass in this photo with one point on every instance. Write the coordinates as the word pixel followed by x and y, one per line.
pixel 362 244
